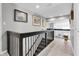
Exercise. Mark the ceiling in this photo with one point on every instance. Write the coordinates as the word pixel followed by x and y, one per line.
pixel 47 10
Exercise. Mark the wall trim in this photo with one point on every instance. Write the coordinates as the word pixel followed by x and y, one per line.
pixel 3 52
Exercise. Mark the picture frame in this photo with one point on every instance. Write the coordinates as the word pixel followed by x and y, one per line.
pixel 36 20
pixel 20 16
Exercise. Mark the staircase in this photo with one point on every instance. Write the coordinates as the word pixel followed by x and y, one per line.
pixel 41 46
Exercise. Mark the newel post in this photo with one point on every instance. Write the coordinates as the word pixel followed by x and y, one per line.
pixel 20 45
pixel 46 39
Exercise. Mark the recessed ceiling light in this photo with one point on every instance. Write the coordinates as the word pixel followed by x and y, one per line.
pixel 52 19
pixel 37 6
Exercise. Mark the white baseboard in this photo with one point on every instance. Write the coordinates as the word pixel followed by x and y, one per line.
pixel 3 52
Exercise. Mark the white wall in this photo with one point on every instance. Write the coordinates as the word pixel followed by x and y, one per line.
pixel 72 32
pixel 62 23
pixel 8 17
pixel 76 29
pixel 0 28
pixel 10 25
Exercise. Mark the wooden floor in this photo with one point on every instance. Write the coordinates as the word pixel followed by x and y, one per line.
pixel 58 48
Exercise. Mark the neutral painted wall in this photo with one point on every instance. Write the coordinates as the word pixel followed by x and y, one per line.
pixel 72 32
pixel 0 28
pixel 9 24
pixel 76 29
pixel 62 25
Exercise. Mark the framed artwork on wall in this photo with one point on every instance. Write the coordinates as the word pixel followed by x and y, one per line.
pixel 36 20
pixel 20 16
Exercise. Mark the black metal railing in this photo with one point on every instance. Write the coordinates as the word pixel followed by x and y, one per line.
pixel 25 44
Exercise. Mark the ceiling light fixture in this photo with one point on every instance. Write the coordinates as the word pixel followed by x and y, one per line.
pixel 37 6
pixel 52 19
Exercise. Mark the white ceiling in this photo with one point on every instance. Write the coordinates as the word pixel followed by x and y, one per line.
pixel 47 9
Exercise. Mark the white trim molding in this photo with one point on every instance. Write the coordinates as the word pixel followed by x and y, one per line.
pixel 3 52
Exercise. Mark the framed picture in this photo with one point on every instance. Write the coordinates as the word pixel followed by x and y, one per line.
pixel 36 20
pixel 20 16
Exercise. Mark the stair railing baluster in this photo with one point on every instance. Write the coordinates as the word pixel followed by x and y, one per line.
pixel 35 37
pixel 28 46
pixel 25 46
pixel 32 44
